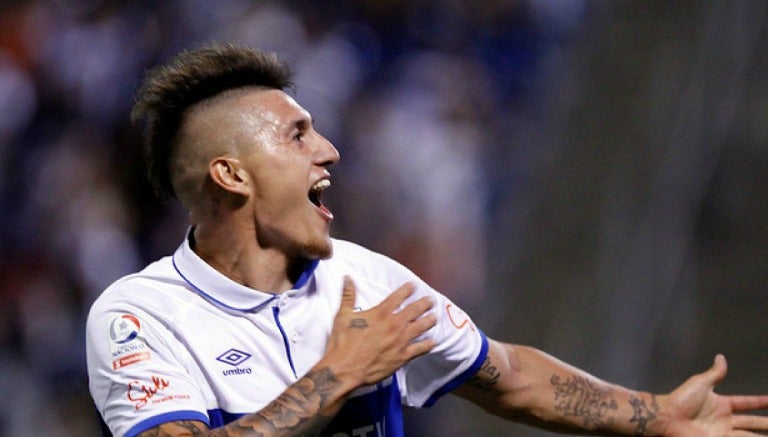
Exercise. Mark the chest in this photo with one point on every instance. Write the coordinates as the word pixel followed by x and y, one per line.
pixel 248 358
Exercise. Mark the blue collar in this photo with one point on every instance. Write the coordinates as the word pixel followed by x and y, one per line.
pixel 221 290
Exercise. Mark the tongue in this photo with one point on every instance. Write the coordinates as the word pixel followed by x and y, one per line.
pixel 325 211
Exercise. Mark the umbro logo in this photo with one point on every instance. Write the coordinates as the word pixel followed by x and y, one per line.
pixel 233 357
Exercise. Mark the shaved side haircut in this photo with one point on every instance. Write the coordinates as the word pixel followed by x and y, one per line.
pixel 187 79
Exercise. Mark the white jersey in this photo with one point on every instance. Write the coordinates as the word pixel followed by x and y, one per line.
pixel 180 341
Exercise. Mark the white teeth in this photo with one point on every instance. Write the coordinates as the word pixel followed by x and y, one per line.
pixel 321 185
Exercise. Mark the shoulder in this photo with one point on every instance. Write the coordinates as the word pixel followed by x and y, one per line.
pixel 376 275
pixel 151 287
pixel 346 247
pixel 354 258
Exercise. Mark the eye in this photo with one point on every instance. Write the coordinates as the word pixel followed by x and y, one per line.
pixel 299 136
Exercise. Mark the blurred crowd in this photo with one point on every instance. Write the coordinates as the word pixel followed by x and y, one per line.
pixel 446 114
pixel 404 89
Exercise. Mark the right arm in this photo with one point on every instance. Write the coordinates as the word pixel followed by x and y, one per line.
pixel 364 348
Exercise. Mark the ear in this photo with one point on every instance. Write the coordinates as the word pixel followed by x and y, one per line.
pixel 227 173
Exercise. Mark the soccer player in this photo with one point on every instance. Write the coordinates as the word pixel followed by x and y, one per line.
pixel 261 324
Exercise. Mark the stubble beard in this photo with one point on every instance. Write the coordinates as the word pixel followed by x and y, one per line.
pixel 318 250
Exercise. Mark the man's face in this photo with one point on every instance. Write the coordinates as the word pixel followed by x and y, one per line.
pixel 286 161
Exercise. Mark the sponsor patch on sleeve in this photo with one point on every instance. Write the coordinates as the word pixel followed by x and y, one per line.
pixel 151 391
pixel 127 345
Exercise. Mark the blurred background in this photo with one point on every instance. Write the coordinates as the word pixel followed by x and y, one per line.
pixel 587 177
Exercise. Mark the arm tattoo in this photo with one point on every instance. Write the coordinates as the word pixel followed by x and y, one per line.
pixel 642 413
pixel 297 411
pixel 172 428
pixel 581 398
pixel 486 377
pixel 358 324
pixel 292 413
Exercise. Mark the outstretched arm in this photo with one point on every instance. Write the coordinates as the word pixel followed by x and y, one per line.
pixel 526 385
pixel 365 347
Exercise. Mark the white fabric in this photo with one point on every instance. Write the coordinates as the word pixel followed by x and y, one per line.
pixel 179 340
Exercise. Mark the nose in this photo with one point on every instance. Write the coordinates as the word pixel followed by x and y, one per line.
pixel 326 154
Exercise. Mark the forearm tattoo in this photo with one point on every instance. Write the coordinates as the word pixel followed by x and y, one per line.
pixel 486 377
pixel 643 414
pixel 581 398
pixel 187 427
pixel 298 411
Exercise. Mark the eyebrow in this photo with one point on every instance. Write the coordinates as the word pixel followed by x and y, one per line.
pixel 302 123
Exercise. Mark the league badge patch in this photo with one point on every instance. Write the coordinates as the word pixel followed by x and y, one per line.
pixel 127 345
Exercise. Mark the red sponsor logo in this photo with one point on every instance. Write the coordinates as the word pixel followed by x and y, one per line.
pixel 140 392
pixel 458 318
pixel 130 359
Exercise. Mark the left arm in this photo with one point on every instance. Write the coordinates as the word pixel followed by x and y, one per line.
pixel 523 384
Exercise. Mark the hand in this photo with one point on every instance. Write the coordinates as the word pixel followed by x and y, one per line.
pixel 371 345
pixel 696 410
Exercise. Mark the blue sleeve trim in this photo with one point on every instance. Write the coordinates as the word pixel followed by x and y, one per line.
pixel 457 381
pixel 167 417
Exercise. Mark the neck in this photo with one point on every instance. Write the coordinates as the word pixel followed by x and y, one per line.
pixel 238 256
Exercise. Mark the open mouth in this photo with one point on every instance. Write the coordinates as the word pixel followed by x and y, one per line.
pixel 316 192
pixel 316 195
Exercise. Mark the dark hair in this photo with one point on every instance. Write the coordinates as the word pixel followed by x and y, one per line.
pixel 188 78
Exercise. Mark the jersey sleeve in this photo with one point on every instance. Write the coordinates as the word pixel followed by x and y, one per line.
pixel 134 371
pixel 461 348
